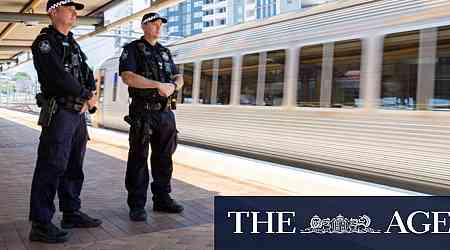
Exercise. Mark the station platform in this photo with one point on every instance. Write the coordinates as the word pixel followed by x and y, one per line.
pixel 199 175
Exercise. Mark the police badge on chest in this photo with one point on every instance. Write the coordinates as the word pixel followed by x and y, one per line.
pixel 165 57
pixel 167 65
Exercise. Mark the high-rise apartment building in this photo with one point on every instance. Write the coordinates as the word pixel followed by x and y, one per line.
pixel 289 5
pixel 184 19
pixel 196 16
pixel 215 14
pixel 260 9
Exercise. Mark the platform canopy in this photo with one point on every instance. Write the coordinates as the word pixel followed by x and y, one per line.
pixel 22 20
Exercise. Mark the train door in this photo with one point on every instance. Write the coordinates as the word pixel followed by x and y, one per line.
pixel 100 79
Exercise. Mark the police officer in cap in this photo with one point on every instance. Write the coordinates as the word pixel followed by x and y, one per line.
pixel 64 76
pixel 152 77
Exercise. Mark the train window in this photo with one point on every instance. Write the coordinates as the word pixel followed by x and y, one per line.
pixel 346 74
pixel 206 81
pixel 188 77
pixel 249 79
pixel 224 81
pixel 115 81
pixel 273 92
pixel 309 76
pixel 216 81
pixel 399 79
pixel 442 80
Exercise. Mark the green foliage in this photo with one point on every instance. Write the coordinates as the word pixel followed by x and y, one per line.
pixel 21 76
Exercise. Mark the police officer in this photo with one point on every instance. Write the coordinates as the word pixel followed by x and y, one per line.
pixel 64 77
pixel 151 75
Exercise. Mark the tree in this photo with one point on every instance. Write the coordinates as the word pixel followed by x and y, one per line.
pixel 21 76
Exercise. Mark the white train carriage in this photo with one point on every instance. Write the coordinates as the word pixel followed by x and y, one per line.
pixel 355 88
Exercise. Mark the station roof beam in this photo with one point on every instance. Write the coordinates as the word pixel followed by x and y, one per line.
pixel 22 20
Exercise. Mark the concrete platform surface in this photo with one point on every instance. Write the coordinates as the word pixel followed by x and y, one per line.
pixel 104 196
pixel 199 175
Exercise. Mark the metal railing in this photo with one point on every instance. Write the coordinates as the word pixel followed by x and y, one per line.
pixel 23 99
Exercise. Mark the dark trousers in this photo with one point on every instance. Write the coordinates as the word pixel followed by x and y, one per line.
pixel 59 166
pixel 163 142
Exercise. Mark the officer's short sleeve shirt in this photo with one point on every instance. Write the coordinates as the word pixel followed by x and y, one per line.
pixel 128 59
pixel 55 81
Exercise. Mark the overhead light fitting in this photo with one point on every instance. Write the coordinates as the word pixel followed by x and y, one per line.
pixel 31 23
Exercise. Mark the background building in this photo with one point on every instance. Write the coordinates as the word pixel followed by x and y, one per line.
pixel 289 5
pixel 260 9
pixel 193 17
pixel 216 14
pixel 184 19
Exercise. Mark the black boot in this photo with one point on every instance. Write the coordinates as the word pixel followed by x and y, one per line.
pixel 138 214
pixel 79 219
pixel 166 204
pixel 48 233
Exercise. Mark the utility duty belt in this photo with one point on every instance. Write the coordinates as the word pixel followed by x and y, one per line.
pixel 152 106
pixel 49 107
pixel 142 104
pixel 71 103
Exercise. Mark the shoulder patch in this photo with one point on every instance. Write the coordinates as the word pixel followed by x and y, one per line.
pixel 44 46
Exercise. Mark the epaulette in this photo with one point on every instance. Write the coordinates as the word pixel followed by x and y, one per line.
pixel 42 34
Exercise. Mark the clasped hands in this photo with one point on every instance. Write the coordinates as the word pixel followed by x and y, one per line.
pixel 89 104
pixel 166 89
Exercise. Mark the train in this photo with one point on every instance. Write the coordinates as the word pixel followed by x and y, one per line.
pixel 357 88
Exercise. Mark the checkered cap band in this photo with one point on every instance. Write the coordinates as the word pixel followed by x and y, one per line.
pixel 153 18
pixel 62 3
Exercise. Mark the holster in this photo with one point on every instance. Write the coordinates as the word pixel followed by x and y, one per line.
pixel 173 100
pixel 142 128
pixel 48 109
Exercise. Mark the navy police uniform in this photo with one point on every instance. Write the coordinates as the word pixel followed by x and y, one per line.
pixel 152 124
pixel 67 80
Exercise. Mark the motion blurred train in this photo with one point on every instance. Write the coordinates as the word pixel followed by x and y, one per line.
pixel 354 88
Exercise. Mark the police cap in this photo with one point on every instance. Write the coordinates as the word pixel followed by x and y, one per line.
pixel 53 4
pixel 151 17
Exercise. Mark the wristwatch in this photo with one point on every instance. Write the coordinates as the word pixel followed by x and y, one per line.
pixel 174 84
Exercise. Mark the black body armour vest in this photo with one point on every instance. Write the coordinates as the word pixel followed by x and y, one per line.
pixel 73 60
pixel 154 65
